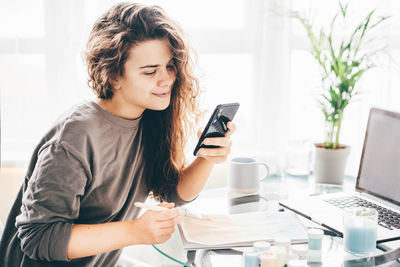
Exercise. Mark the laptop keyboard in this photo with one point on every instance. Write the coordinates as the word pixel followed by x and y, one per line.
pixel 386 218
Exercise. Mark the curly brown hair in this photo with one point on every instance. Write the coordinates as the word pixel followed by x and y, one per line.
pixel 164 133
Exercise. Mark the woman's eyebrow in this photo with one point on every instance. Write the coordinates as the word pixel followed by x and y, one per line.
pixel 150 66
pixel 155 66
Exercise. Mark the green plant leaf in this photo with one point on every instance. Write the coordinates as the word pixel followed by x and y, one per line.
pixel 343 9
pixel 342 63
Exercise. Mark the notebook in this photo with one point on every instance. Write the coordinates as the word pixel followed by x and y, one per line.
pixel 240 230
pixel 377 185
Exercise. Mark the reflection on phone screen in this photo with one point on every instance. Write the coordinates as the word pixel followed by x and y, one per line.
pixel 218 126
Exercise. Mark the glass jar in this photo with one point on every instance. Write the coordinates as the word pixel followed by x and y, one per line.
pixel 360 227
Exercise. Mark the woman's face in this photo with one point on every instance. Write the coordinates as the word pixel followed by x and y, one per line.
pixel 149 75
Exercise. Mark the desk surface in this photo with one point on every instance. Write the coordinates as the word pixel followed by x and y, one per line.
pixel 272 189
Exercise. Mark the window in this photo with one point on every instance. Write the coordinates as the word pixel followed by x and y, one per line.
pixel 246 53
pixel 378 87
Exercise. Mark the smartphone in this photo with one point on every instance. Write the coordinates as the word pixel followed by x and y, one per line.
pixel 217 124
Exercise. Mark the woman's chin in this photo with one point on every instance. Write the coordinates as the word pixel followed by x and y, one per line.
pixel 160 106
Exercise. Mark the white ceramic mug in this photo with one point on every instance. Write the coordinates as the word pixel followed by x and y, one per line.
pixel 244 175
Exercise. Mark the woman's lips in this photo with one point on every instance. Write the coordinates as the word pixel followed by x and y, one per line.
pixel 166 94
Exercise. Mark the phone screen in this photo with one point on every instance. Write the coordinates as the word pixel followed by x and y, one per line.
pixel 217 125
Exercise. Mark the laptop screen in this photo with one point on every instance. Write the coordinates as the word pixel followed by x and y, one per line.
pixel 379 172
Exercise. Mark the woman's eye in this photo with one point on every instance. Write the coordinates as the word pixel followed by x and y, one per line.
pixel 150 73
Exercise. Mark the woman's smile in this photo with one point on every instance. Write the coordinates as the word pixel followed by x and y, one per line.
pixel 163 95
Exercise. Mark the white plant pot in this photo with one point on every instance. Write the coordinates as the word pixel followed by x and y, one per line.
pixel 330 164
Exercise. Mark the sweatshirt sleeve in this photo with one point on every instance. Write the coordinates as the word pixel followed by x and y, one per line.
pixel 50 204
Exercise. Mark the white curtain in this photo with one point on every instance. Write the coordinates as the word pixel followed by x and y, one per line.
pixel 247 53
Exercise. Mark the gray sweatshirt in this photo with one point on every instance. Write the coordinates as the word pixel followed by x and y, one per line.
pixel 88 169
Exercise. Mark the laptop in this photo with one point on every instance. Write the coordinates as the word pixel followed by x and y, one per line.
pixel 377 185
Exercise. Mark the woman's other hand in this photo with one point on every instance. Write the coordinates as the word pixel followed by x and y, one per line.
pixel 218 154
pixel 156 227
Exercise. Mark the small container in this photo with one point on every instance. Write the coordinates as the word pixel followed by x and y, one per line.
pixel 314 256
pixel 261 246
pixel 290 257
pixel 268 259
pixel 280 255
pixel 360 227
pixel 283 242
pixel 315 239
pixel 296 263
pixel 251 258
pixel 300 250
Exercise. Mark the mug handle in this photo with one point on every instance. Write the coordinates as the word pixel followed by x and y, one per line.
pixel 267 170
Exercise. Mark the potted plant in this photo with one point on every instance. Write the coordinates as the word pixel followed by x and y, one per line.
pixel 343 61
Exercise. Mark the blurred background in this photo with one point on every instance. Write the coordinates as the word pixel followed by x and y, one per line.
pixel 248 51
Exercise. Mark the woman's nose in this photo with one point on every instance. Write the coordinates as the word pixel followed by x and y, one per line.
pixel 167 78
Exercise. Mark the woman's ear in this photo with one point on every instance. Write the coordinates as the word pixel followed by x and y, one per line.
pixel 115 82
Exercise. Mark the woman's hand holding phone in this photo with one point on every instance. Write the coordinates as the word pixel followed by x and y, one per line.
pixel 220 153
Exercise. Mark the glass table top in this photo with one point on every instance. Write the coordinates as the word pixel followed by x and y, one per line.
pixel 272 190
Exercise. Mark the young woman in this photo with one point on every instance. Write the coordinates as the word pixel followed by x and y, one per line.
pixel 76 206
